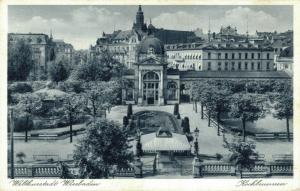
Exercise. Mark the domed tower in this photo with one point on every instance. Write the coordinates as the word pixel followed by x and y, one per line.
pixel 150 71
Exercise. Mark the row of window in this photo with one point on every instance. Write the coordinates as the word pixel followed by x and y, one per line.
pixel 238 55
pixel 232 66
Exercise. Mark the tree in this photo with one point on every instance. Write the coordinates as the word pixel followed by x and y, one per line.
pixel 59 71
pixel 104 146
pixel 139 150
pixel 100 96
pixel 20 61
pixel 284 107
pixel 101 67
pixel 248 108
pixel 220 103
pixel 28 104
pixel 72 105
pixel 243 154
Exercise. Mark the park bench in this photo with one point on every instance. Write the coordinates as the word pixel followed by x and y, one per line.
pixel 253 174
pixel 45 157
pixel 264 136
pixel 284 135
pixel 282 158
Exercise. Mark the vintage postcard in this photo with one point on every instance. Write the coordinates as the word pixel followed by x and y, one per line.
pixel 134 95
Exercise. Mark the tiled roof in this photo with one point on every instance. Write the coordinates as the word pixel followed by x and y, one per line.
pixel 232 74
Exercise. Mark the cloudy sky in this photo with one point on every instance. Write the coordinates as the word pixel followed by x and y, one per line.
pixel 81 25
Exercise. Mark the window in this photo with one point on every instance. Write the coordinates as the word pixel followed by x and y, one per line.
pixel 208 66
pixel 240 55
pixel 258 55
pixel 246 55
pixel 232 65
pixel 226 65
pixel 268 56
pixel 172 90
pixel 209 55
pixel 268 66
pixel 219 56
pixel 219 66
pixel 239 66
pixel 246 66
pixel 252 65
pixel 129 91
pixel 226 56
pixel 252 55
pixel 258 66
pixel 232 55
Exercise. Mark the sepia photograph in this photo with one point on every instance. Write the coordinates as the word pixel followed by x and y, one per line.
pixel 150 92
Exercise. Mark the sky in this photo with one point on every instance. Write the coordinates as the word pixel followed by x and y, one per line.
pixel 82 25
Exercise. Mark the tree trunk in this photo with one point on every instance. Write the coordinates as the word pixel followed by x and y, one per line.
pixel 201 110
pixel 71 130
pixel 209 118
pixel 218 123
pixel 196 107
pixel 26 130
pixel 288 129
pixel 244 129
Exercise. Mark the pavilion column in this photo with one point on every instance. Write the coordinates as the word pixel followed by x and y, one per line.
pixel 161 92
pixel 140 97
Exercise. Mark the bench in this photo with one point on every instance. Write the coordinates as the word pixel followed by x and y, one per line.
pixel 284 135
pixel 282 158
pixel 45 157
pixel 264 136
pixel 259 174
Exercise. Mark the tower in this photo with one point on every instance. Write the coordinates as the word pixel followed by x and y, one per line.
pixel 139 24
pixel 208 29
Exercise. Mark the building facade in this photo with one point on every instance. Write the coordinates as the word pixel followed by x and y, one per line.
pixel 41 46
pixel 220 57
pixel 63 50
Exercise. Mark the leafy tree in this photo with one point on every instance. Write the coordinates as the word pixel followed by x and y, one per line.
pixel 248 108
pixel 220 103
pixel 72 105
pixel 20 61
pixel 59 71
pixel 28 104
pixel 100 96
pixel 100 68
pixel 243 154
pixel 104 146
pixel 284 107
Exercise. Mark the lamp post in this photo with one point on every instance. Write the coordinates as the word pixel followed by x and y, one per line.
pixel 196 146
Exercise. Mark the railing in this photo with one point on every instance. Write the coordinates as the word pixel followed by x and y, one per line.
pixel 267 169
pixel 124 172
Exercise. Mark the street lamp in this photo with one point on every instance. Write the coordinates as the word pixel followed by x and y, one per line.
pixel 196 146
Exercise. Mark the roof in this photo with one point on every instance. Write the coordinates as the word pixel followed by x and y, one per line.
pixel 287 52
pixel 234 74
pixel 51 93
pixel 124 34
pixel 31 38
pixel 178 142
pixel 151 42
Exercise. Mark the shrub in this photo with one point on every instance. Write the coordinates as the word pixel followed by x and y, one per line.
pixel 20 123
pixel 37 85
pixel 125 121
pixel 176 109
pixel 219 156
pixel 20 87
pixel 190 138
pixel 185 125
pixel 129 110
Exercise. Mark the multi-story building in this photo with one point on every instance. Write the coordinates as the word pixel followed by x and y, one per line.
pixel 220 57
pixel 41 46
pixel 63 49
pixel 123 44
pixel 284 61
